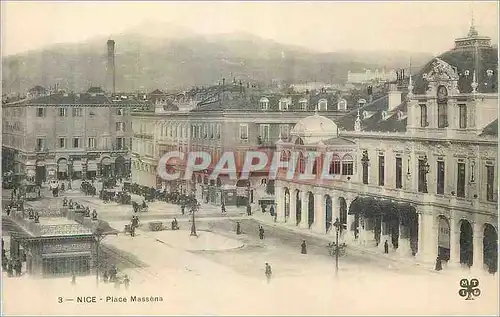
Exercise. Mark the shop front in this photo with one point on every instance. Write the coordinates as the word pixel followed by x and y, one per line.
pixel 55 256
pixel 62 169
pixel 91 169
pixel 77 169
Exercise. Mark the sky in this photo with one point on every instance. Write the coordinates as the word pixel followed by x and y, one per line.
pixel 322 26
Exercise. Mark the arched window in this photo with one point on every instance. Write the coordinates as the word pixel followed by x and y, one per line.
pixel 322 105
pixel 283 105
pixel 299 141
pixel 342 105
pixel 264 103
pixel 315 165
pixel 303 104
pixel 335 165
pixel 285 156
pixel 301 163
pixel 347 165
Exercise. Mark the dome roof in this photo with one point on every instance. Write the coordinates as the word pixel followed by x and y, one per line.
pixel 314 129
pixel 471 54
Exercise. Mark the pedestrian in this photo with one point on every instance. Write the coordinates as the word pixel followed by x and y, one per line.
pixel 73 279
pixel 303 247
pixel 386 247
pixel 238 228
pixel 105 276
pixel 439 265
pixel 249 210
pixel 223 208
pixel 18 267
pixel 269 273
pixel 183 207
pixel 261 232
pixel 10 269
pixel 126 282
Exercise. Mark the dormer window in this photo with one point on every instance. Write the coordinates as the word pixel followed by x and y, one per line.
pixel 264 103
pixel 365 115
pixel 399 115
pixel 283 105
pixel 119 112
pixel 342 105
pixel 303 104
pixel 384 115
pixel 322 105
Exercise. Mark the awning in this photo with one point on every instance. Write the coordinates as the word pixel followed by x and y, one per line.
pixel 91 166
pixel 62 167
pixel 369 206
pixel 77 166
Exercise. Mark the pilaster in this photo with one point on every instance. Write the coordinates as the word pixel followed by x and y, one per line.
pixel 304 210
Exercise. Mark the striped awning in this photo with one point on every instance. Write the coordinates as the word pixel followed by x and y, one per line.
pixel 77 166
pixel 91 166
pixel 62 166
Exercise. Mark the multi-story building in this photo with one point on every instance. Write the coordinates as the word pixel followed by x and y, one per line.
pixel 417 168
pixel 369 76
pixel 68 135
pixel 228 118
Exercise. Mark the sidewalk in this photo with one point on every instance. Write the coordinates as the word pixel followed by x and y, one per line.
pixel 372 253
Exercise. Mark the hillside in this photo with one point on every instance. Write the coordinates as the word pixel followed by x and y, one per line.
pixel 147 62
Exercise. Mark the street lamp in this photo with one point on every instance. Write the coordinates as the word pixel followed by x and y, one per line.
pixel 248 193
pixel 338 228
pixel 425 169
pixel 194 208
pixel 99 234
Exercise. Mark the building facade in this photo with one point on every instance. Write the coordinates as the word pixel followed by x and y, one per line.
pixel 234 118
pixel 58 135
pixel 424 173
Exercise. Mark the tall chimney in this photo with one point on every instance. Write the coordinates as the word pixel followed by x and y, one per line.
pixel 110 67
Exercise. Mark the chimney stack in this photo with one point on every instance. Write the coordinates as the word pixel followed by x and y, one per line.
pixel 110 67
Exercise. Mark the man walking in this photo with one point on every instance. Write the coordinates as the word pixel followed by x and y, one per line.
pixel 269 273
pixel 261 232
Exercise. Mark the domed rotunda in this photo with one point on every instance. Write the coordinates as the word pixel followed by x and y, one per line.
pixel 314 129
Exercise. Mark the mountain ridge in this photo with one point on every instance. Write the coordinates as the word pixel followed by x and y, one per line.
pixel 148 62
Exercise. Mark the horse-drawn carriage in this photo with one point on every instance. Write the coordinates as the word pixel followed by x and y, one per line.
pixel 123 198
pixel 108 182
pixel 140 207
pixel 88 189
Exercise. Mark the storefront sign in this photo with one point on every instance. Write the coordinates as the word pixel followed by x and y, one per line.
pixel 67 247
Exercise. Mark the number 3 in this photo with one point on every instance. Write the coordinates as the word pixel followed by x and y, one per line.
pixel 59 299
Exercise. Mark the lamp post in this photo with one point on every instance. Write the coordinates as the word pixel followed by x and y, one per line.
pixel 194 208
pixel 70 173
pixel 425 169
pixel 338 228
pixel 248 193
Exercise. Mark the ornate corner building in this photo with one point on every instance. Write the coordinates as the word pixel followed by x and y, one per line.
pixel 416 168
